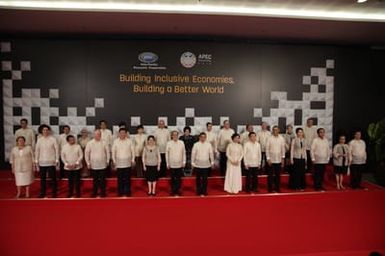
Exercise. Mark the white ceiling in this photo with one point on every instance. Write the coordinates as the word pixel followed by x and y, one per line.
pixel 152 22
pixel 371 10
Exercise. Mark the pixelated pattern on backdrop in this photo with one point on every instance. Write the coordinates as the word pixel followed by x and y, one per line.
pixel 31 98
pixel 318 103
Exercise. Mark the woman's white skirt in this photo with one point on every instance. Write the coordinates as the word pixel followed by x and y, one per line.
pixel 24 178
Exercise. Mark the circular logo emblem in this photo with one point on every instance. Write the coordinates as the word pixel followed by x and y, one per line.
pixel 188 59
pixel 148 57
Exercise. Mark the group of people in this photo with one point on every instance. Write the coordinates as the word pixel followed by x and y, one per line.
pixel 152 156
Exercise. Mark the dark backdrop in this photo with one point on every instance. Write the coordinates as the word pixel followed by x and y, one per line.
pixel 85 69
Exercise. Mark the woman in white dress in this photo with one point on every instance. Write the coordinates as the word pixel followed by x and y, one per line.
pixel 234 153
pixel 21 160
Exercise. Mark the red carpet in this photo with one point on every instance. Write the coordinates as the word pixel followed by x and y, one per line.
pixel 333 223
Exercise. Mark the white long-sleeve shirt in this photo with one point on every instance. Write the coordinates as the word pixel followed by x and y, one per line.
pixel 320 151
pixel 252 154
pixel 72 155
pixel 47 151
pixel 175 154
pixel 275 149
pixel 107 136
pixel 211 138
pixel 289 137
pixel 224 139
pixel 97 154
pixel 298 149
pixel 262 137
pixel 28 134
pixel 202 155
pixel 63 139
pixel 358 151
pixel 123 153
pixel 310 133
pixel 162 136
pixel 244 137
pixel 139 143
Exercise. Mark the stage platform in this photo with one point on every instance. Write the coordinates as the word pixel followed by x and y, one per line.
pixel 331 223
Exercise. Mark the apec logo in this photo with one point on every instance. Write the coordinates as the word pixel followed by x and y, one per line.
pixel 189 59
pixel 204 57
pixel 148 57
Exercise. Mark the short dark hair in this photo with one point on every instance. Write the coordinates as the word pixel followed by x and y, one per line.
pixel 139 127
pixel 24 120
pixel 151 137
pixel 102 121
pixel 122 123
pixel 234 135
pixel 251 133
pixel 209 123
pixel 319 130
pixel 298 129
pixel 69 137
pixel 275 126
pixel 66 126
pixel 41 127
pixel 122 129
pixel 187 128
pixel 202 133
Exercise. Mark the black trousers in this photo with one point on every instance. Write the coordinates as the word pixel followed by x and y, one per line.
pixel 176 180
pixel 309 164
pixel 289 169
pixel 318 175
pixel 124 181
pixel 264 161
pixel 99 181
pixel 243 169
pixel 297 174
pixel 222 163
pixel 163 165
pixel 356 175
pixel 109 169
pixel 251 179
pixel 62 173
pixel 51 171
pixel 274 176
pixel 139 167
pixel 73 182
pixel 201 180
